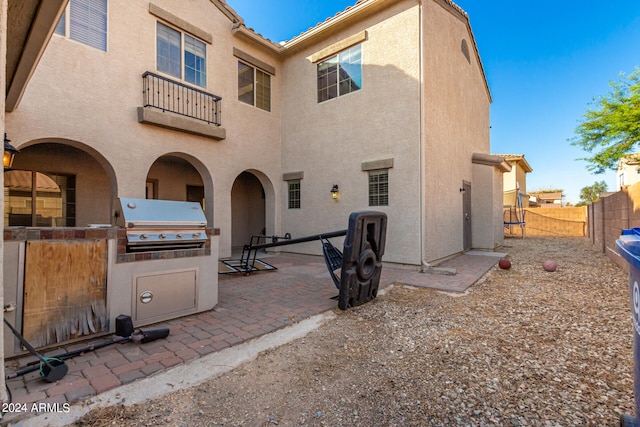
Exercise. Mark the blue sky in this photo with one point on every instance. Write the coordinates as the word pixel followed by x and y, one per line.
pixel 545 61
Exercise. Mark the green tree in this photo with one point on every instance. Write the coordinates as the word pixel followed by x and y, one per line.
pixel 612 128
pixel 591 193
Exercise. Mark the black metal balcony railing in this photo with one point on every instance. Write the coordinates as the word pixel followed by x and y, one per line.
pixel 168 95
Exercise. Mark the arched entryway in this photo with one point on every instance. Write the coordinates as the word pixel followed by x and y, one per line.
pixel 57 278
pixel 55 184
pixel 181 177
pixel 248 209
pixel 174 178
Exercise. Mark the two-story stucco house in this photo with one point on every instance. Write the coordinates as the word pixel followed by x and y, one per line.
pixel 628 171
pixel 386 103
pixel 398 132
pixel 515 181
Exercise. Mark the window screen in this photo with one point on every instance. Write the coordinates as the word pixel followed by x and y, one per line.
pixel 379 188
pixel 88 22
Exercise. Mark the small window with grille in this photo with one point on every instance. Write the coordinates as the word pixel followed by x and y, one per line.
pixel 379 187
pixel 294 194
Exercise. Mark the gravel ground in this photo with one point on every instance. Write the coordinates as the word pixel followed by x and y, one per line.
pixel 523 347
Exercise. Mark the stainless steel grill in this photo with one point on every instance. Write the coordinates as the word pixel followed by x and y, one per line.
pixel 153 225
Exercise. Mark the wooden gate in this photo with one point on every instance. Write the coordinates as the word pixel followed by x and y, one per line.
pixel 65 290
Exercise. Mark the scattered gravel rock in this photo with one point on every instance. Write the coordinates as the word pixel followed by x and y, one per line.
pixel 523 347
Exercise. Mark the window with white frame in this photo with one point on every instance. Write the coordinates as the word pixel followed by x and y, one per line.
pixel 85 21
pixel 181 55
pixel 294 194
pixel 379 187
pixel 341 74
pixel 254 86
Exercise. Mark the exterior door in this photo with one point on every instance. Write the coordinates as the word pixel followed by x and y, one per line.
pixel 466 215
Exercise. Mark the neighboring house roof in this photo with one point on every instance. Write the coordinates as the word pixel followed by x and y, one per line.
pixel 629 159
pixel 517 158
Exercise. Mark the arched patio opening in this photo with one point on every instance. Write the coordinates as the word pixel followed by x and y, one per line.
pixel 252 208
pixel 174 178
pixel 58 184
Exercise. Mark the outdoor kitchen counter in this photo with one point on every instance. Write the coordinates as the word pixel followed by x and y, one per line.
pixel 69 283
pixel 23 234
pixel 59 233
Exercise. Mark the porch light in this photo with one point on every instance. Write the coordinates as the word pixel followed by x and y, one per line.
pixel 334 192
pixel 9 153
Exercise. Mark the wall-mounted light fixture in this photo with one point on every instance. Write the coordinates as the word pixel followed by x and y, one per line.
pixel 9 153
pixel 462 189
pixel 335 193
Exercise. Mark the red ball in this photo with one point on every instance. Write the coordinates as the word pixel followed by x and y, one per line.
pixel 504 264
pixel 549 266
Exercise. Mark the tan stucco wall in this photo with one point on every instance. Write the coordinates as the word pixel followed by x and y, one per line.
pixel 456 124
pixel 329 141
pixel 86 95
pixel 487 224
pixel 3 82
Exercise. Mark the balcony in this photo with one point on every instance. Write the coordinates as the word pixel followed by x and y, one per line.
pixel 173 105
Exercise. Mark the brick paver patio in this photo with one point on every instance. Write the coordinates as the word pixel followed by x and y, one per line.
pixel 249 307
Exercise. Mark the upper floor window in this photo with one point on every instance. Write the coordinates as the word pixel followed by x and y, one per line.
pixel 340 74
pixel 175 49
pixel 85 21
pixel 254 86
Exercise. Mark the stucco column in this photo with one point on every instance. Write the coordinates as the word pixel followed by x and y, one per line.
pixel 3 81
